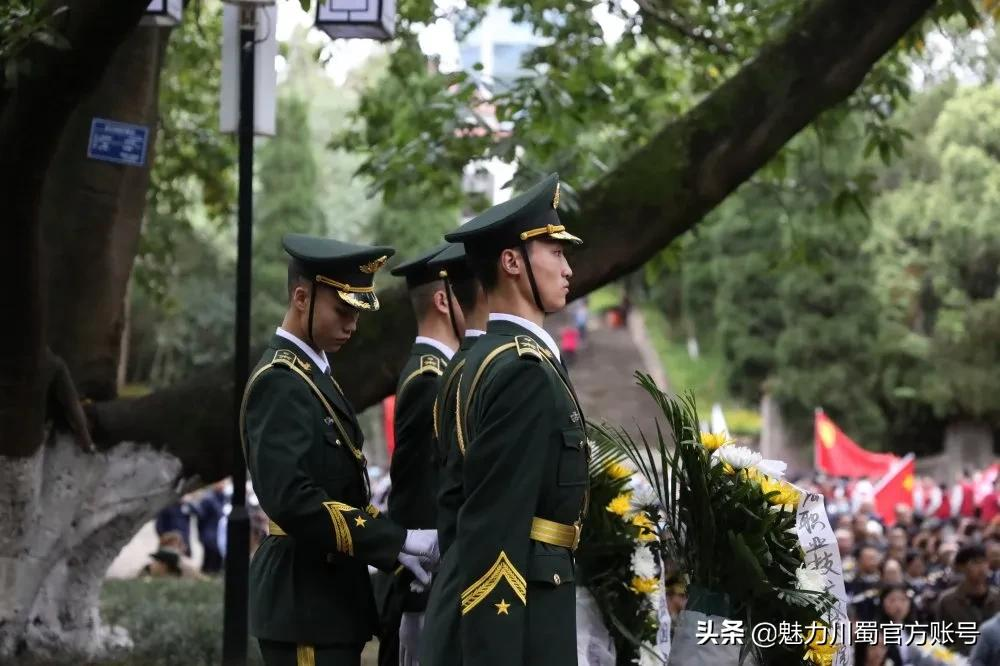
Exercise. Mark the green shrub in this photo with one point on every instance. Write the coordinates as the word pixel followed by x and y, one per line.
pixel 743 422
pixel 171 622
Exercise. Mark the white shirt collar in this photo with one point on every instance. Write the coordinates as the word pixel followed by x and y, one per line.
pixel 474 332
pixel 437 344
pixel 542 334
pixel 319 359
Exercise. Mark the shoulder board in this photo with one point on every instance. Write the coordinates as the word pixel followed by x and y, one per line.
pixel 431 365
pixel 285 357
pixel 526 346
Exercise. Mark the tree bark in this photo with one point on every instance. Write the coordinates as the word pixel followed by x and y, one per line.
pixel 653 196
pixel 32 117
pixel 91 216
pixel 66 515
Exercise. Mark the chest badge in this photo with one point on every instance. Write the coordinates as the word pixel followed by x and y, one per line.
pixel 575 417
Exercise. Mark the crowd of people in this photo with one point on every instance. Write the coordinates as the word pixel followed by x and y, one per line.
pixel 936 563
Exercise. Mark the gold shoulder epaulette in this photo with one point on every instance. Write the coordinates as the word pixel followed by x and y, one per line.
pixel 286 357
pixel 526 346
pixel 431 365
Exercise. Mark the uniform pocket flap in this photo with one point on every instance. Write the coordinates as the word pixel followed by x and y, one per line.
pixel 552 568
pixel 573 438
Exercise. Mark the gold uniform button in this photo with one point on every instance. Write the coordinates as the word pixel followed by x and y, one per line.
pixel 556 579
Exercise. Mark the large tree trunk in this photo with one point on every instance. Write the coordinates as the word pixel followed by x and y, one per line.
pixel 91 216
pixel 66 514
pixel 67 511
pixel 32 117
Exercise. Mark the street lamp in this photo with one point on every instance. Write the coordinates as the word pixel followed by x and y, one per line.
pixel 163 13
pixel 348 19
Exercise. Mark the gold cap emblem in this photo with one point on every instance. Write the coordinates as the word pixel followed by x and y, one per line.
pixel 373 266
pixel 555 199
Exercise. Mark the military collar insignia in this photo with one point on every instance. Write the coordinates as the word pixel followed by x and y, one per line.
pixel 289 358
pixel 575 417
pixel 526 346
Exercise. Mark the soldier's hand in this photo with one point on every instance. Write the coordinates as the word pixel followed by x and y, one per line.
pixel 412 562
pixel 410 627
pixel 423 543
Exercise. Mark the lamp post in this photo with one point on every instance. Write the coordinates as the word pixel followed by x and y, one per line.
pixel 234 625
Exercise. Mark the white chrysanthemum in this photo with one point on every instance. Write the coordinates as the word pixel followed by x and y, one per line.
pixel 809 580
pixel 643 563
pixel 773 468
pixel 643 495
pixel 649 655
pixel 738 457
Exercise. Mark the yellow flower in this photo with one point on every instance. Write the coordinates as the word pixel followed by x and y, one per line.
pixel 943 654
pixel 712 441
pixel 618 471
pixel 644 585
pixel 787 494
pixel 646 527
pixel 821 649
pixel 621 504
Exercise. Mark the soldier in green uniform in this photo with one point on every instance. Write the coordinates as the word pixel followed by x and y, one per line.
pixel 441 625
pixel 521 433
pixel 310 593
pixel 475 310
pixel 412 470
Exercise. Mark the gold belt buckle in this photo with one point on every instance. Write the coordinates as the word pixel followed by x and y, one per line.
pixel 577 528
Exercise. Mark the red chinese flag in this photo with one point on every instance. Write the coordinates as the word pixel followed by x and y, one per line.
pixel 895 488
pixel 389 423
pixel 837 454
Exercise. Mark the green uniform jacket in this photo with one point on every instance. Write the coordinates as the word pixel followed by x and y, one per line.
pixel 413 470
pixel 525 454
pixel 311 586
pixel 441 620
pixel 450 494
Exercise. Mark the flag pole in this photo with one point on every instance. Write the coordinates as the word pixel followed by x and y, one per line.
pixel 893 471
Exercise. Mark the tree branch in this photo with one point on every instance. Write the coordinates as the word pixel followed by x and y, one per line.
pixel 637 209
pixel 670 19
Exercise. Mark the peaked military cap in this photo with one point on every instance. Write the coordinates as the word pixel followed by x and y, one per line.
pixel 417 270
pixel 452 262
pixel 529 215
pixel 348 268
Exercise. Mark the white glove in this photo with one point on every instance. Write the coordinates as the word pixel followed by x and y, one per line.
pixel 423 543
pixel 413 563
pixel 410 628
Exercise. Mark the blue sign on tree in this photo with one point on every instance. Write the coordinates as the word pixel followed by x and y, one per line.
pixel 121 143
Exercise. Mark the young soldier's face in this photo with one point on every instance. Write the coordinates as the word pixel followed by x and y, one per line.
pixel 334 321
pixel 552 273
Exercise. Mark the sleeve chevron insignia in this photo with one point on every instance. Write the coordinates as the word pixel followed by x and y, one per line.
pixel 341 530
pixel 501 569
